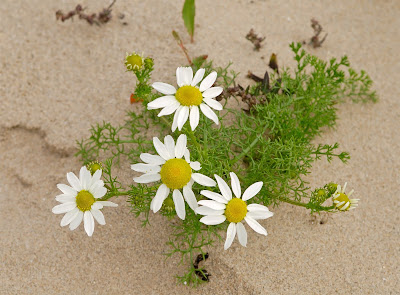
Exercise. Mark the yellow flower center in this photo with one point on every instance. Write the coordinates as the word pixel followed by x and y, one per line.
pixel 236 210
pixel 84 201
pixel 94 166
pixel 342 197
pixel 133 62
pixel 189 96
pixel 176 173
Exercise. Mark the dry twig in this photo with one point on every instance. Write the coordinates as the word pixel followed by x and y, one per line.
pixel 253 38
pixel 102 17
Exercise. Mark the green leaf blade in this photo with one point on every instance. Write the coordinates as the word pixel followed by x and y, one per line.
pixel 188 14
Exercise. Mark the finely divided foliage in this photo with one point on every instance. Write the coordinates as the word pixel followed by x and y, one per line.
pixel 268 145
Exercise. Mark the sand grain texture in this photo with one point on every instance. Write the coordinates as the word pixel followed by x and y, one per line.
pixel 57 79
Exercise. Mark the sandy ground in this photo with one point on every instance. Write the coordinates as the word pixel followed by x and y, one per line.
pixel 56 79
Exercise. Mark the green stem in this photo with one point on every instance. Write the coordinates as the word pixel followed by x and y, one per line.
pixel 237 158
pixel 290 201
pixel 114 194
pixel 306 205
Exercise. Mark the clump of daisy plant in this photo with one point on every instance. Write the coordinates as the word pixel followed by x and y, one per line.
pixel 266 148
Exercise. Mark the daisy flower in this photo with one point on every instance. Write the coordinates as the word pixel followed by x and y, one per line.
pixel 173 167
pixel 80 200
pixel 235 210
pixel 342 201
pixel 187 100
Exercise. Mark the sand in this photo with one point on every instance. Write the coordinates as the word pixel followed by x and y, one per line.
pixel 57 79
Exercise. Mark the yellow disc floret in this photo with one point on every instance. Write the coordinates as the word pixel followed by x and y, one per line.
pixel 189 96
pixel 176 173
pixel 134 62
pixel 236 210
pixel 339 198
pixel 94 166
pixel 84 200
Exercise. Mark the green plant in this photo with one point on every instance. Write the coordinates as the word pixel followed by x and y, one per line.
pixel 271 141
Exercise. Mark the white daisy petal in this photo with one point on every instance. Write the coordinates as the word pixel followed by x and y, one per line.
pixel 96 184
pixel 190 197
pixel 212 204
pixel 187 75
pixel 204 210
pixel 85 178
pixel 152 159
pixel 69 217
pixel 223 187
pixel 257 207
pixel 195 166
pixel 212 92
pixel 88 223
pixel 197 78
pixel 65 198
pixel 260 214
pixel 183 116
pixel 252 190
pixel 203 180
pixel 179 204
pixel 213 219
pixel 255 226
pixel 213 103
pixel 74 181
pixel 96 177
pixel 161 102
pixel 208 81
pixel 230 235
pixel 147 178
pixel 176 116
pixel 242 234
pixel 194 117
pixel 164 88
pixel 170 145
pixel 77 221
pixel 214 196
pixel 66 189
pixel 146 168
pixel 161 195
pixel 161 149
pixel 179 76
pixel 209 113
pixel 98 192
pixel 64 208
pixel 187 156
pixel 98 215
pixel 97 205
pixel 168 110
pixel 180 146
pixel 105 203
pixel 235 185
